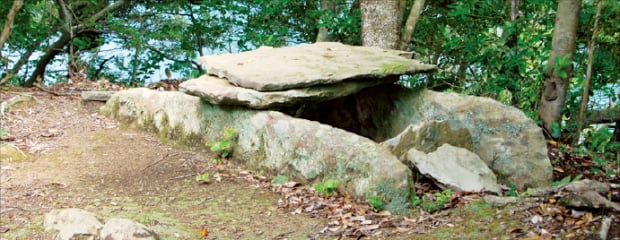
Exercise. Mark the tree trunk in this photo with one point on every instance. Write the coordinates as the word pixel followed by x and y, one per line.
pixel 49 55
pixel 380 23
pixel 556 82
pixel 17 5
pixel 586 85
pixel 326 6
pixel 412 21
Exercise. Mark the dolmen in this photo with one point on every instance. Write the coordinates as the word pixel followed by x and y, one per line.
pixel 331 111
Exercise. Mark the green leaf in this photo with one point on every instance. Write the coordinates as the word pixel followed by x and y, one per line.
pixel 556 130
pixel 331 183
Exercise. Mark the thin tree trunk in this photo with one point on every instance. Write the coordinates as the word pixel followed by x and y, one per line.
pixel 380 23
pixel 553 97
pixel 49 55
pixel 412 21
pixel 326 6
pixel 586 85
pixel 8 24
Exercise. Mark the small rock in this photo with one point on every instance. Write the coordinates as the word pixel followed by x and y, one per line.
pixel 72 223
pixel 125 229
pixel 456 168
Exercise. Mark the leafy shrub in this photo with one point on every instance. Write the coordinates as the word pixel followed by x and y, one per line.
pixel 328 187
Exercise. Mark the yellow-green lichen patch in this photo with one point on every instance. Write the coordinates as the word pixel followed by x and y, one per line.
pixel 393 68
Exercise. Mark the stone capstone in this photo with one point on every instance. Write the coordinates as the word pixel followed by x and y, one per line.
pixel 273 69
pixel 455 168
pixel 125 229
pixel 221 92
pixel 307 151
pixel 72 223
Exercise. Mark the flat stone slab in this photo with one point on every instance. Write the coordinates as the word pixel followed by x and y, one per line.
pixel 456 168
pixel 272 69
pixel 221 92
pixel 100 96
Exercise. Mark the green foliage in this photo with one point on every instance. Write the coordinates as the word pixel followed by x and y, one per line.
pixel 225 146
pixel 566 180
pixel 556 129
pixel 280 179
pixel 376 201
pixel 327 188
pixel 433 203
pixel 513 190
pixel 3 132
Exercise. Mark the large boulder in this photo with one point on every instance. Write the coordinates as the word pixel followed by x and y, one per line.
pixel 455 168
pixel 221 92
pixel 306 150
pixel 509 142
pixel 272 69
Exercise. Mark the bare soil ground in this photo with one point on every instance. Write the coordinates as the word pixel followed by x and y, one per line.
pixel 79 158
pixel 84 160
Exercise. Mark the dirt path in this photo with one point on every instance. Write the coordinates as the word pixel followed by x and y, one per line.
pixel 81 159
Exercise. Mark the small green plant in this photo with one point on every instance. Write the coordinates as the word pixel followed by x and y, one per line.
pixel 224 147
pixel 566 180
pixel 415 200
pixel 376 201
pixel 3 132
pixel 513 190
pixel 280 179
pixel 430 205
pixel 328 187
pixel 203 178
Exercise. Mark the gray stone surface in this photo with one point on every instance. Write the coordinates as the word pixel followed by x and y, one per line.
pixel 509 142
pixel 427 137
pixel 72 223
pixel 125 229
pixel 304 150
pixel 100 96
pixel 219 91
pixel 271 69
pixel 455 168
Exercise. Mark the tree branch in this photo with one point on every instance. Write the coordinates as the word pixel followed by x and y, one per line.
pixel 412 21
pixel 101 14
pixel 603 116
pixel 171 58
pixel 6 31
